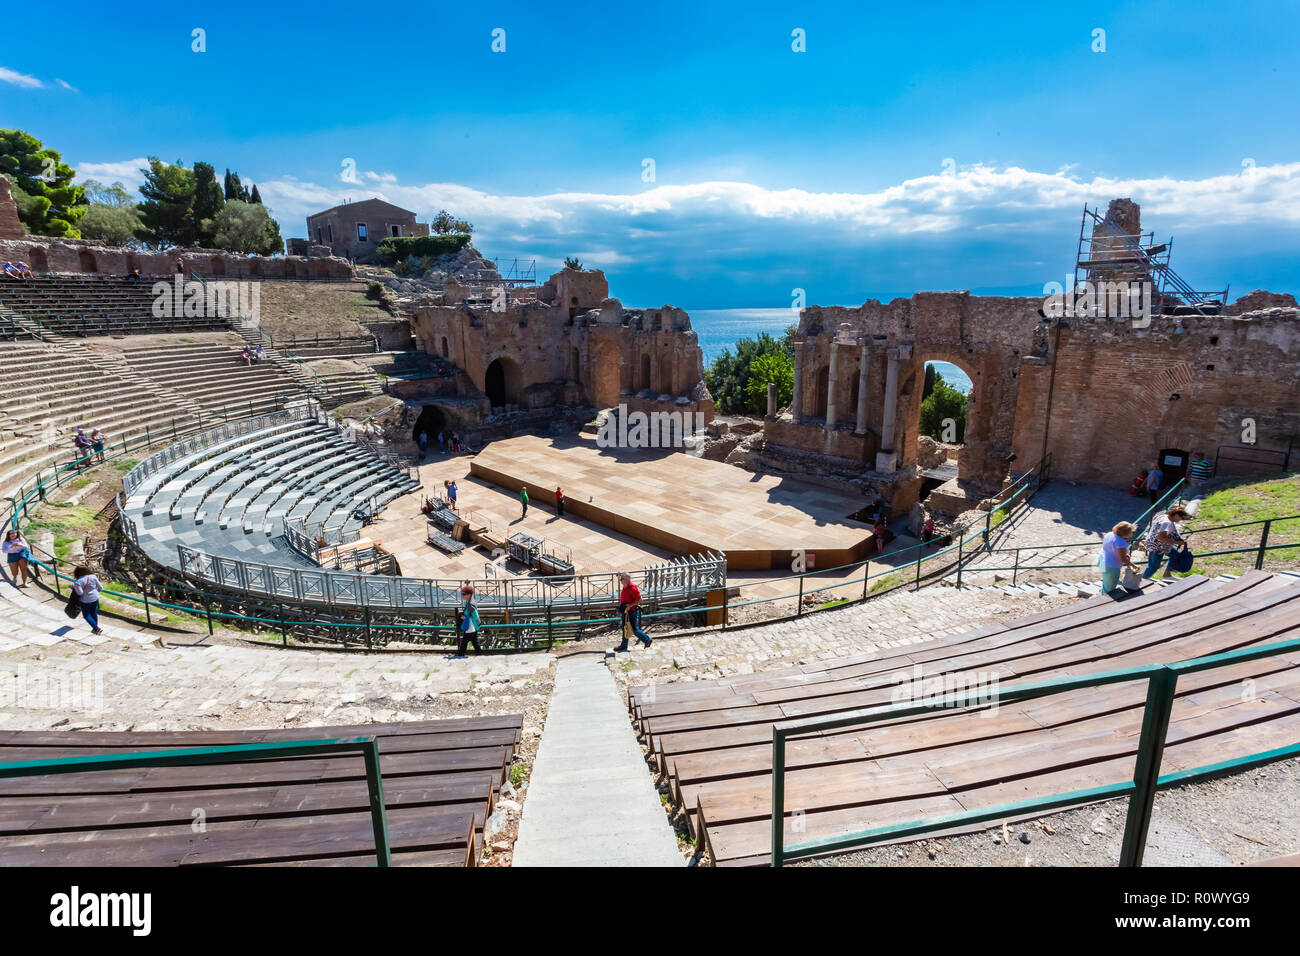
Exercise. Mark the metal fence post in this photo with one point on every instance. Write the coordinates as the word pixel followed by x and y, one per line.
pixel 369 643
pixel 207 606
pixel 550 638
pixel 1263 545
pixel 778 797
pixel 960 542
pixel 799 608
pixel 54 562
pixel 375 786
pixel 144 589
pixel 1151 749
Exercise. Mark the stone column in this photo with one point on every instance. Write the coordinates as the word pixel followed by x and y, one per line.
pixel 831 381
pixel 796 402
pixel 891 401
pixel 861 428
pixel 771 399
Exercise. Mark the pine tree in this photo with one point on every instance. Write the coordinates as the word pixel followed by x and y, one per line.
pixel 208 200
pixel 256 196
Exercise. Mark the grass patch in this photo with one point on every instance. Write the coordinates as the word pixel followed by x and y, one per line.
pixel 887 582
pixel 836 603
pixel 125 464
pixel 518 774
pixel 1248 499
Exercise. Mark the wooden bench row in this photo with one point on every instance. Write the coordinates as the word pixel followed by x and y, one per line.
pixel 441 780
pixel 713 739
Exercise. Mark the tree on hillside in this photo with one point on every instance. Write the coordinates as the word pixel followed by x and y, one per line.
pixel 942 402
pixel 728 377
pixel 208 200
pixel 111 215
pixel 245 227
pixel 445 222
pixel 256 197
pixel 168 193
pixel 769 367
pixel 233 188
pixel 48 203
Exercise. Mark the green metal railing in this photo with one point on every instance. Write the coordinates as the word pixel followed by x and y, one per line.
pixel 234 753
pixel 1162 682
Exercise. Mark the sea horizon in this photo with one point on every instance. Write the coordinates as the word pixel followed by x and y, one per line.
pixel 720 329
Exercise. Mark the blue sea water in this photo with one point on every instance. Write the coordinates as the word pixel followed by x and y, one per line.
pixel 721 329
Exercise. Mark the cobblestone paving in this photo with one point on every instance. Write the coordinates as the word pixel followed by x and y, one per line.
pixel 56 674
pixel 893 620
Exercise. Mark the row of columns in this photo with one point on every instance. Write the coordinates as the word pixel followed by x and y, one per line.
pixel 894 357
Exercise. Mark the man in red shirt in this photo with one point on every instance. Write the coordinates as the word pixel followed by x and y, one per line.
pixel 629 611
pixel 559 502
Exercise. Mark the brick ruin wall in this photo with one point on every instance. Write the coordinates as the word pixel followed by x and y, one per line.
pixel 1112 404
pixel 83 256
pixel 573 345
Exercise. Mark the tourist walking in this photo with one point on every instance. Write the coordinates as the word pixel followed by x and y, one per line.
pixel 1162 538
pixel 442 444
pixel 1115 555
pixel 424 444
pixel 559 502
pixel 1155 478
pixel 629 612
pixel 452 491
pixel 523 500
pixel 97 444
pixel 86 587
pixel 17 553
pixel 467 621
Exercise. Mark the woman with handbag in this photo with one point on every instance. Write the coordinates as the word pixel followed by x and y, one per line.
pixel 1162 538
pixel 17 552
pixel 467 622
pixel 1115 557
pixel 86 587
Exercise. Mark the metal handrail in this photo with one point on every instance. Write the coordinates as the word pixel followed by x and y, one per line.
pixel 1162 683
pixel 233 753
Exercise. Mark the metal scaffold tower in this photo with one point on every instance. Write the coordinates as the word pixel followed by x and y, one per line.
pixel 1106 254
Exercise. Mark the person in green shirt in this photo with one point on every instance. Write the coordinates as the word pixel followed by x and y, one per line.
pixel 523 500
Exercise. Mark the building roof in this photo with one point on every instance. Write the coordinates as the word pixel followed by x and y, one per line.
pixel 371 203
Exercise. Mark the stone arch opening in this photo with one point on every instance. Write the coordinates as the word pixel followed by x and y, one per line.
pixel 644 381
pixel 501 382
pixel 431 421
pixel 86 261
pixel 942 420
pixel 38 261
pixel 445 351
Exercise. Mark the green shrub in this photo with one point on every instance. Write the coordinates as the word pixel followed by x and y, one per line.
pixel 400 247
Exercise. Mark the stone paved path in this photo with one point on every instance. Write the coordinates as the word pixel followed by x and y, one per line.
pixel 591 801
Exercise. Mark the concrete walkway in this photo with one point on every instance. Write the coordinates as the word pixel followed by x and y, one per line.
pixel 591 800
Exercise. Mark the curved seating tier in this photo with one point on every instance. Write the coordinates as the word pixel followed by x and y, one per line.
pixel 94 305
pixel 714 738
pixel 232 497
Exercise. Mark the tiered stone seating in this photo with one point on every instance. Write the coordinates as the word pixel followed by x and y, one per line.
pixel 94 305
pixel 210 373
pixel 232 497
pixel 54 388
pixel 713 739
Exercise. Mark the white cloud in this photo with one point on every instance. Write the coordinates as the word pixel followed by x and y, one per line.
pixel 974 197
pixel 20 79
pixel 66 85
pixel 128 172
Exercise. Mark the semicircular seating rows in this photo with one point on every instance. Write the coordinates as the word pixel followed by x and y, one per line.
pixel 232 497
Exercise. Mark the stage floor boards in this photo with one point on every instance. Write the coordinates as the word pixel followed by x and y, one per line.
pixel 675 501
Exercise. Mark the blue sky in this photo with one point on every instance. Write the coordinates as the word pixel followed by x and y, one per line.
pixel 921 146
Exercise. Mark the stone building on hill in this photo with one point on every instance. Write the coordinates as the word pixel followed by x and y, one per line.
pixel 353 230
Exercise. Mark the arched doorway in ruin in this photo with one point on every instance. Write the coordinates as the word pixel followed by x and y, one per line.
pixel 431 421
pixel 931 394
pixel 501 382
pixel 644 381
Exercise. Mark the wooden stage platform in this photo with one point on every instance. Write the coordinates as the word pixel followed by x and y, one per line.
pixel 683 504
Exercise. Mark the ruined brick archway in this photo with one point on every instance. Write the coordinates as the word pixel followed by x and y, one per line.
pixel 501 382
